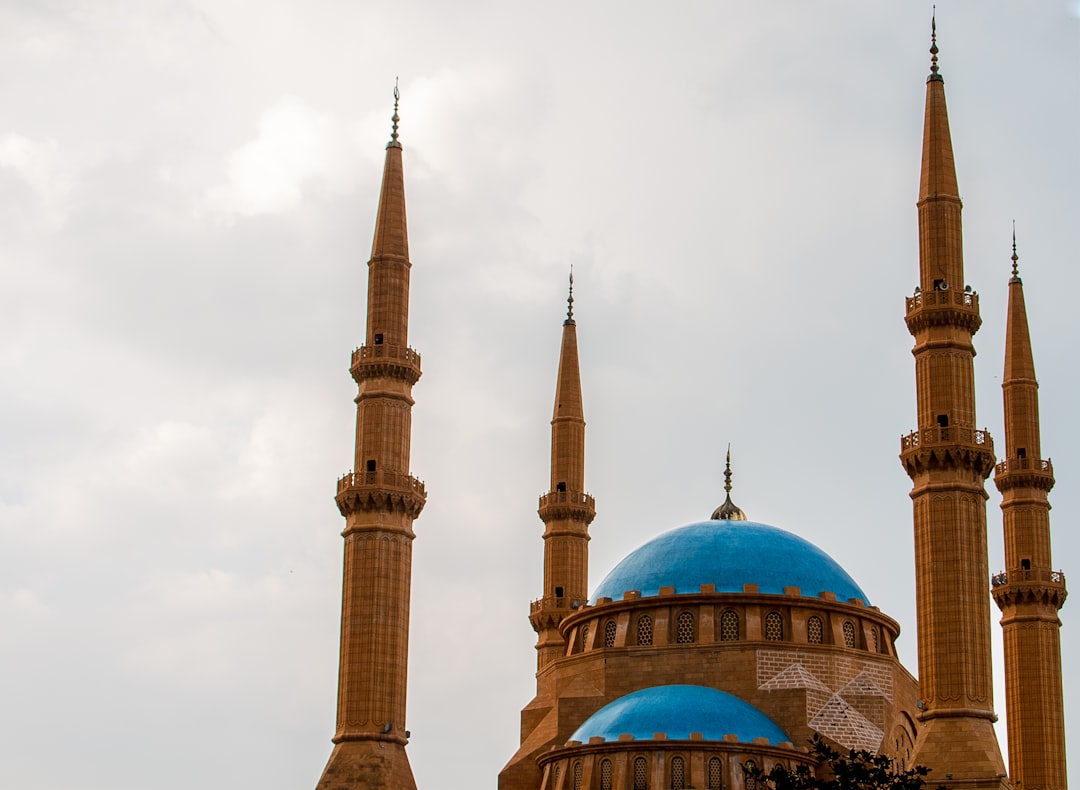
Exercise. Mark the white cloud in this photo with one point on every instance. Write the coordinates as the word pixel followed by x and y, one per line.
pixel 38 163
pixel 296 147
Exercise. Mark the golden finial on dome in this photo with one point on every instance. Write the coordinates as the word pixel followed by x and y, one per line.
pixel 728 511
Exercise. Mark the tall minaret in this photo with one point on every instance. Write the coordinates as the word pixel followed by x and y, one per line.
pixel 379 502
pixel 1029 592
pixel 566 509
pixel 948 460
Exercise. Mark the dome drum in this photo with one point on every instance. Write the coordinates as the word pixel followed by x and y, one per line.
pixel 727 621
pixel 704 764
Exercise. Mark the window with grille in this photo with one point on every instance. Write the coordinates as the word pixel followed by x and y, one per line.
pixel 558 773
pixel 849 633
pixel 729 627
pixel 605 775
pixel 609 633
pixel 684 628
pixel 774 627
pixel 749 782
pixel 584 637
pixel 641 774
pixel 874 639
pixel 815 631
pixel 678 774
pixel 716 774
pixel 644 630
pixel 577 776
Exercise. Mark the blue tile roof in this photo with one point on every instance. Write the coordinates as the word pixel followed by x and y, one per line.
pixel 728 554
pixel 678 711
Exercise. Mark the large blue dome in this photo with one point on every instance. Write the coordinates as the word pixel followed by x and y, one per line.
pixel 728 554
pixel 679 711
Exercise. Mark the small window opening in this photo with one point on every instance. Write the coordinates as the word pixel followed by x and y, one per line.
pixel 560 486
pixel 378 339
pixel 371 465
pixel 1025 564
pixel 558 592
pixel 1021 452
pixel 943 420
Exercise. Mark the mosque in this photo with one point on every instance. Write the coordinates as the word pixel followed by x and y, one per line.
pixel 729 643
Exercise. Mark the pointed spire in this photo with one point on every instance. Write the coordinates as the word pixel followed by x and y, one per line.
pixel 728 511
pixel 391 233
pixel 938 167
pixel 933 49
pixel 1019 360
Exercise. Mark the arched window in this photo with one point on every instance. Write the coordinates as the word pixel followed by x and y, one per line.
pixel 609 633
pixel 558 773
pixel 584 637
pixel 605 775
pixel 716 774
pixel 641 774
pixel 849 633
pixel 774 627
pixel 729 627
pixel 874 639
pixel 749 782
pixel 815 630
pixel 684 628
pixel 678 774
pixel 644 630
pixel 577 775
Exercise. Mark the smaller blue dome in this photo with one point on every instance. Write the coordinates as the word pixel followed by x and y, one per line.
pixel 678 711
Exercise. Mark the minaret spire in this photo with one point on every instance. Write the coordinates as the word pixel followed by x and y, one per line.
pixel 379 501
pixel 565 509
pixel 948 459
pixel 1029 592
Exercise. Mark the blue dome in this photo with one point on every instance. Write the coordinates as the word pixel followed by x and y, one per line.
pixel 679 711
pixel 728 554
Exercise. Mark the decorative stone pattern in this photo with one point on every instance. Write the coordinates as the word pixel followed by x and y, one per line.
pixel 844 696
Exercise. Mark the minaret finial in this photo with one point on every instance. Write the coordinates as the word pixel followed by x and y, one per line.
pixel 728 511
pixel 570 298
pixel 933 47
pixel 1015 257
pixel 394 134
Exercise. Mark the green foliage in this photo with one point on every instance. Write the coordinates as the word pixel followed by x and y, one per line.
pixel 857 770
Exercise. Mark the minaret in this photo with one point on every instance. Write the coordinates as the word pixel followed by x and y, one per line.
pixel 1029 593
pixel 565 509
pixel 948 460
pixel 379 502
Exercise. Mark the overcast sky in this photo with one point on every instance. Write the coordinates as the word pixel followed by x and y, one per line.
pixel 187 196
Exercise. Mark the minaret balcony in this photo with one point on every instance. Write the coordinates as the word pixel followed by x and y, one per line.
pixel 946 435
pixel 571 505
pixel 948 446
pixel 380 491
pixel 1039 587
pixel 943 308
pixel 1012 473
pixel 385 361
